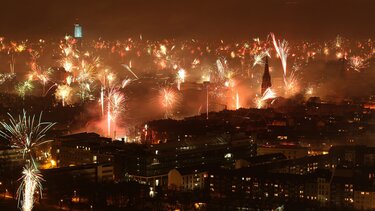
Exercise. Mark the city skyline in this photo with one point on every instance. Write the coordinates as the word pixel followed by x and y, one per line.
pixel 187 105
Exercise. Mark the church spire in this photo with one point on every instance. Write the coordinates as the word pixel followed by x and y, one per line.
pixel 266 80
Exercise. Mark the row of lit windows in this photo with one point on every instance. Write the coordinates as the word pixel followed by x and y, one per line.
pixel 83 147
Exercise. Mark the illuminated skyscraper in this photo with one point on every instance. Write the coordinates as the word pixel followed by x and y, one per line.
pixel 266 80
pixel 77 31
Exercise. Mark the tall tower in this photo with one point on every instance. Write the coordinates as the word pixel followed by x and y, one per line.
pixel 77 31
pixel 266 80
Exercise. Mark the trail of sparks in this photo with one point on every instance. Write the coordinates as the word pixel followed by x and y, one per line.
pixel 180 78
pixel 31 181
pixel 267 95
pixel 237 101
pixel 130 70
pixel 282 51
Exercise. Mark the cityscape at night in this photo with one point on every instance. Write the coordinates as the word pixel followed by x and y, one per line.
pixel 187 105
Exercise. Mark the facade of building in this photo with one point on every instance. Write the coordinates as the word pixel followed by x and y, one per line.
pixel 147 164
pixel 290 152
pixel 95 173
pixel 80 149
pixel 187 179
pixel 364 199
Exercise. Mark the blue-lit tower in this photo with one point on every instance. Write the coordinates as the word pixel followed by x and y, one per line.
pixel 77 31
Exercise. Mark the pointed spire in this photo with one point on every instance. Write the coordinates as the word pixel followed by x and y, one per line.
pixel 266 80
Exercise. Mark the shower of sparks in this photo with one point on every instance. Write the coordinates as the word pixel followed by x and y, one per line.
pixel 109 119
pixel 115 105
pixel 117 99
pixel 267 95
pixel 282 50
pixel 180 78
pixel 102 99
pixel 291 85
pixel 31 182
pixel 220 68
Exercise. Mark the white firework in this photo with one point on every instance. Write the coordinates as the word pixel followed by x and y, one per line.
pixel 25 132
pixel 31 182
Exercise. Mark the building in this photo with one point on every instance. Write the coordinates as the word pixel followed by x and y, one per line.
pixel 94 173
pixel 290 151
pixel 353 156
pixel 11 163
pixel 10 157
pixel 364 198
pixel 257 184
pixel 323 194
pixel 148 164
pixel 78 31
pixel 187 178
pixel 259 160
pixel 266 79
pixel 81 149
pixel 302 166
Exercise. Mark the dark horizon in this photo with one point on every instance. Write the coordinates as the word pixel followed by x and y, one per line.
pixel 115 19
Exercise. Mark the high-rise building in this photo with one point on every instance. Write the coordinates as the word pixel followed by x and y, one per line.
pixel 77 31
pixel 266 80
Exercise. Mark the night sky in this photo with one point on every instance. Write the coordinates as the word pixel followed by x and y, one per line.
pixel 234 19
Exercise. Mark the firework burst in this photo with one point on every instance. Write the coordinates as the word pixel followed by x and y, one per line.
pixel 291 85
pixel 169 100
pixel 116 99
pixel 24 87
pixel 258 58
pixel 267 95
pixel 115 106
pixel 64 93
pixel 357 63
pixel 25 132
